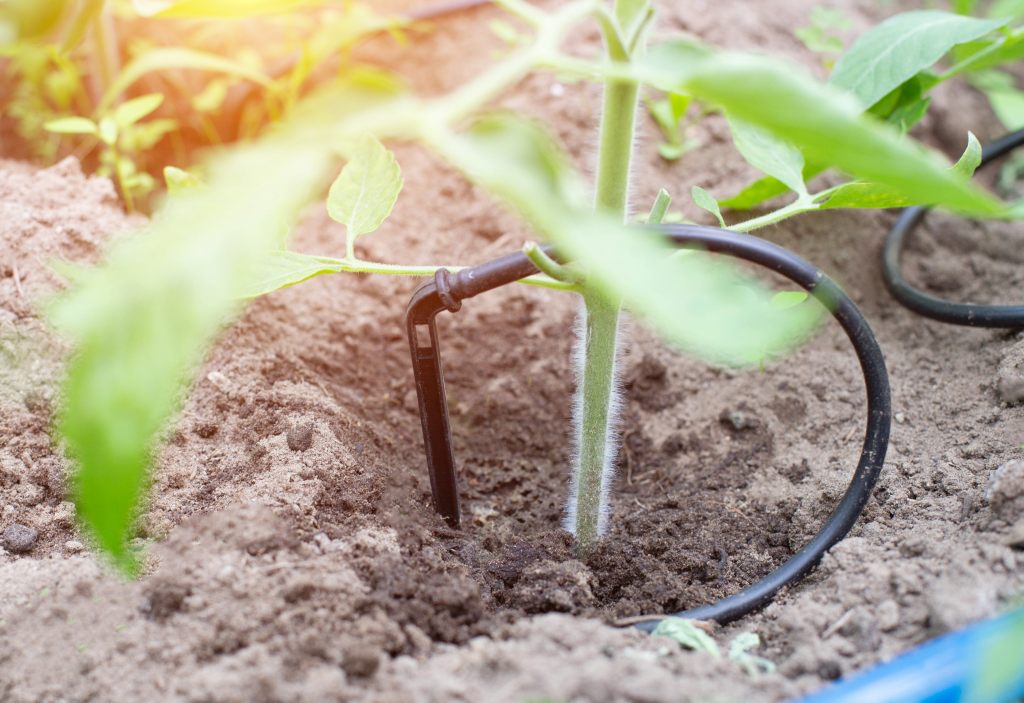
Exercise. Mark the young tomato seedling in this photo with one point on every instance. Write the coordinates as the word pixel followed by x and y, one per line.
pixel 211 245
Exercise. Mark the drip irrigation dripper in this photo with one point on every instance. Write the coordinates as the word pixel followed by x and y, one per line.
pixel 970 314
pixel 448 290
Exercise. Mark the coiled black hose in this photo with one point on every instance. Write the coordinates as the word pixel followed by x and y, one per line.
pixel 448 290
pixel 970 314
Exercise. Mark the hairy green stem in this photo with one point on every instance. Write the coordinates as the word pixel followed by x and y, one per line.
pixel 597 413
pixel 795 208
pixel 596 395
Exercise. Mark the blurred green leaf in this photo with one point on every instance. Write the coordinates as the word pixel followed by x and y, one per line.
pixel 1006 98
pixel 859 194
pixel 789 298
pixel 179 180
pixel 901 47
pixel 1011 9
pixel 72 125
pixel 140 324
pixel 171 58
pixel 127 114
pixel 145 323
pixel 108 131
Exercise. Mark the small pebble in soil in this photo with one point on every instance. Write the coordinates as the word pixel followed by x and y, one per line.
pixel 73 546
pixel 1006 490
pixel 19 538
pixel 300 437
pixel 738 420
pixel 1010 376
pixel 829 670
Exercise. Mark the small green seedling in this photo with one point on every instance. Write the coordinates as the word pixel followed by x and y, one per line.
pixel 823 34
pixel 690 635
pixel 122 134
pixel 142 324
pixel 669 113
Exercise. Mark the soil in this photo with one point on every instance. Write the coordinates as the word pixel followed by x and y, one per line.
pixel 293 553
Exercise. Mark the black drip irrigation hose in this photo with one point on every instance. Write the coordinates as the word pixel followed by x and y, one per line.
pixel 448 290
pixel 970 314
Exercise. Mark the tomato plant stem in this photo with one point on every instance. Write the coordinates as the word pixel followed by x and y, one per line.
pixel 598 344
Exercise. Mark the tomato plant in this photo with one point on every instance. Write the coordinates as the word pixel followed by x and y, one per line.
pixel 142 322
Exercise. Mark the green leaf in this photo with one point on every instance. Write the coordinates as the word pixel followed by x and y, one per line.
pixel 728 316
pixel 825 124
pixel 169 58
pixel 72 125
pixel 688 635
pixel 706 201
pixel 754 194
pixel 861 194
pixel 901 47
pixel 281 269
pixel 135 109
pixel 769 155
pixel 366 190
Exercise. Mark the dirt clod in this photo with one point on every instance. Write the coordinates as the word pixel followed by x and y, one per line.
pixel 300 437
pixel 1006 490
pixel 1010 376
pixel 18 538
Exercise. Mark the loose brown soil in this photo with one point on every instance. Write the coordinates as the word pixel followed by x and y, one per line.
pixel 293 551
